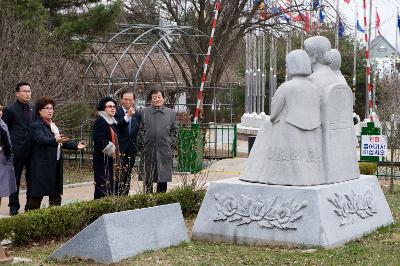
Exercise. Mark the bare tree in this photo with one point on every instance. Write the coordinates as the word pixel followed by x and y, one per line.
pixel 28 54
pixel 388 96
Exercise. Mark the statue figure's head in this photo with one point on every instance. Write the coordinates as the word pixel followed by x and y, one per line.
pixel 337 59
pixel 298 63
pixel 317 48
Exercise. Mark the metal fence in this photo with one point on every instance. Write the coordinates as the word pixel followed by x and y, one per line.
pixel 220 140
pixel 384 166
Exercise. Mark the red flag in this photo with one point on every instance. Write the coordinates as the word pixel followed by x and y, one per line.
pixel 378 23
pixel 300 17
pixel 304 19
pixel 347 1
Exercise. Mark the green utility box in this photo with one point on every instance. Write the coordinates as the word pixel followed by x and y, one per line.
pixel 369 130
pixel 190 149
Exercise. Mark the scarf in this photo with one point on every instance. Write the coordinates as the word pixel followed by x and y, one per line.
pixel 54 129
pixel 109 119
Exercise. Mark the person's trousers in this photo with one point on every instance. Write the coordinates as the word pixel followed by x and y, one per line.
pixel 19 165
pixel 124 184
pixel 34 203
pixel 161 187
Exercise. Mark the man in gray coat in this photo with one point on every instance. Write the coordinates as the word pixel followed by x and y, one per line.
pixel 159 139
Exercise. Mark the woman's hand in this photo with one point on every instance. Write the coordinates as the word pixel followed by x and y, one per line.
pixel 81 145
pixel 61 139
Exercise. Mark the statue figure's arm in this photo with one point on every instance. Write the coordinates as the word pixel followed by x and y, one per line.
pixel 278 101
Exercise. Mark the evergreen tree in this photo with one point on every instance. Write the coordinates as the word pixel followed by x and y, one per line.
pixel 77 22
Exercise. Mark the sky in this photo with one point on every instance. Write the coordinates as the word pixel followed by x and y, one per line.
pixel 387 10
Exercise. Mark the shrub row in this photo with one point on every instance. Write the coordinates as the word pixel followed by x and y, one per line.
pixel 55 222
pixel 367 168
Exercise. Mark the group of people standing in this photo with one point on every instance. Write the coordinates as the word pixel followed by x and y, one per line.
pixel 31 143
pixel 119 133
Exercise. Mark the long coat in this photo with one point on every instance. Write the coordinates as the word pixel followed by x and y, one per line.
pixel 127 137
pixel 7 175
pixel 20 131
pixel 46 175
pixel 159 137
pixel 103 165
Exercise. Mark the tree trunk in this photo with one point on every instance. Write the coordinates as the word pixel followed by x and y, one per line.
pixel 391 187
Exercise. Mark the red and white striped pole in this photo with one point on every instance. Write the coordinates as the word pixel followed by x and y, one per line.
pixel 368 70
pixel 206 60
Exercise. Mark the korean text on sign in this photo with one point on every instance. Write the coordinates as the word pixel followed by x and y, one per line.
pixel 373 145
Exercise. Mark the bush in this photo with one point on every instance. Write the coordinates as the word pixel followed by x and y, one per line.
pixel 68 220
pixel 367 168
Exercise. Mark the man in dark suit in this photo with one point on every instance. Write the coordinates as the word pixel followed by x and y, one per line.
pixel 19 116
pixel 127 126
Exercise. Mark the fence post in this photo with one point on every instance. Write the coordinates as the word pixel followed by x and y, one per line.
pixel 234 143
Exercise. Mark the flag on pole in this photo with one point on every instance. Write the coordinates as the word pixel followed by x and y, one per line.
pixel 321 16
pixel 347 1
pixel 359 28
pixel 284 15
pixel 378 23
pixel 398 21
pixel 299 17
pixel 341 29
pixel 315 4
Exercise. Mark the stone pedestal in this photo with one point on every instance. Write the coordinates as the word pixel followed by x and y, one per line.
pixel 325 215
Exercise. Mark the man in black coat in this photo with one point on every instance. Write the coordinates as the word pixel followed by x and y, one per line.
pixel 127 125
pixel 19 116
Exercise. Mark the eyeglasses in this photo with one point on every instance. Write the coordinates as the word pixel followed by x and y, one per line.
pixel 48 108
pixel 25 91
pixel 110 106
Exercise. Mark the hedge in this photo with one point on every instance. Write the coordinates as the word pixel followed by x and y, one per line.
pixel 67 220
pixel 368 168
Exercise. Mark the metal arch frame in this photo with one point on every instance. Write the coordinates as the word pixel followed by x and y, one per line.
pixel 180 31
pixel 167 35
pixel 101 50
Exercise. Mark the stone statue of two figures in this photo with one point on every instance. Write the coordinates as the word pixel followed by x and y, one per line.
pixel 309 139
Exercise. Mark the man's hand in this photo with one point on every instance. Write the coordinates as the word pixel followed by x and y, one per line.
pixel 130 112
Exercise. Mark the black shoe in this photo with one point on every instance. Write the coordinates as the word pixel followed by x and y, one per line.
pixel 13 213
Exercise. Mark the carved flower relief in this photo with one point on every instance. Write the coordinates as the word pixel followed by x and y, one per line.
pixel 227 204
pixel 370 202
pixel 229 207
pixel 246 210
pixel 349 205
pixel 283 215
pixel 256 211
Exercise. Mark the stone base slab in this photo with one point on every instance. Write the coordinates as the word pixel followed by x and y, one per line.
pixel 120 235
pixel 324 215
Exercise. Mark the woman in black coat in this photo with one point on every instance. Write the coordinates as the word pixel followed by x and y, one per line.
pixel 106 152
pixel 46 167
